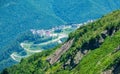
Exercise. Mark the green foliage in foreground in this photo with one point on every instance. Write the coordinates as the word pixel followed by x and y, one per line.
pixel 99 58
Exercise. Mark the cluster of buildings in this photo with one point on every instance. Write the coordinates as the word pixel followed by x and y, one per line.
pixel 51 32
pixel 41 32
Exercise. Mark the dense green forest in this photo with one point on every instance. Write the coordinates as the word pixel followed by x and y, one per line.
pixel 95 50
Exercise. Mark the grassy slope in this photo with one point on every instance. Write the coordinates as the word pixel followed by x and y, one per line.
pixel 101 58
pixel 85 34
pixel 95 62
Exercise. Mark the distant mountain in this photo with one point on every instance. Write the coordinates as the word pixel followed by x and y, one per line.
pixel 17 17
pixel 93 48
pixel 76 11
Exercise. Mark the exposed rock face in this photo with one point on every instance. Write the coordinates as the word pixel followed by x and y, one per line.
pixel 57 54
pixel 78 57
pixel 107 72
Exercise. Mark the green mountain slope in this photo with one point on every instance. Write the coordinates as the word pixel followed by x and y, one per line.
pixel 91 49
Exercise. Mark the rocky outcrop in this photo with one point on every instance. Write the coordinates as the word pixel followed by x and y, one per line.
pixel 78 57
pixel 107 72
pixel 57 54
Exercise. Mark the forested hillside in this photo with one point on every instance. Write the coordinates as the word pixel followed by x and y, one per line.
pixel 95 49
